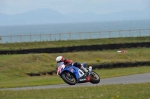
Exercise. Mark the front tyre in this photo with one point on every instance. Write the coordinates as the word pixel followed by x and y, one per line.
pixel 68 78
pixel 94 78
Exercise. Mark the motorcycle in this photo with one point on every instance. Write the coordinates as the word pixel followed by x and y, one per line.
pixel 72 75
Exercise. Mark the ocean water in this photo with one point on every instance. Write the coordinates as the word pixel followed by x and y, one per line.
pixel 65 31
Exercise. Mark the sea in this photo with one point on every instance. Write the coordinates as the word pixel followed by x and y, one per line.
pixel 80 30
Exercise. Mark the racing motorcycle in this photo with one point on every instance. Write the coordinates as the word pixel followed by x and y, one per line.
pixel 72 75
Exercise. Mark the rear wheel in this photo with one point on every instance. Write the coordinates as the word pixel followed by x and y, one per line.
pixel 68 78
pixel 94 78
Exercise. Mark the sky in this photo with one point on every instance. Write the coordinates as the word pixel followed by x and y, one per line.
pixel 73 6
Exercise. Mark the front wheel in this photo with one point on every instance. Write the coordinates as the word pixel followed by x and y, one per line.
pixel 68 78
pixel 94 78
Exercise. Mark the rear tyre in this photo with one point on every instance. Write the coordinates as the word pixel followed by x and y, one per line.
pixel 94 78
pixel 68 78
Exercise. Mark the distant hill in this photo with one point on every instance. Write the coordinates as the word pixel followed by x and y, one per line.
pixel 39 16
pixel 46 16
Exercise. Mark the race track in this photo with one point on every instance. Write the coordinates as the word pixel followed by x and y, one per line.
pixel 138 78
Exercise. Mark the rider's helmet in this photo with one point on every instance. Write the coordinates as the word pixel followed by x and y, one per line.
pixel 60 59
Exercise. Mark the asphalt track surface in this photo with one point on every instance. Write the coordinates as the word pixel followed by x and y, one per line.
pixel 138 78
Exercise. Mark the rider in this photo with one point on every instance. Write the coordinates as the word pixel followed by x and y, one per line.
pixel 61 61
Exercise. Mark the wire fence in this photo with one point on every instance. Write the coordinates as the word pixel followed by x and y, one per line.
pixel 74 36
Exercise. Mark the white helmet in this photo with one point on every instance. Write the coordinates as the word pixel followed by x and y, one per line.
pixel 59 59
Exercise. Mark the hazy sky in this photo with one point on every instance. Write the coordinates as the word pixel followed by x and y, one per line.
pixel 73 6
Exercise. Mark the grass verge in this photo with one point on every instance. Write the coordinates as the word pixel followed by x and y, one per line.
pixel 52 44
pixel 19 65
pixel 14 81
pixel 13 68
pixel 121 91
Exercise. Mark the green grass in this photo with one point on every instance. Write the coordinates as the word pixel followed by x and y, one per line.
pixel 19 81
pixel 51 44
pixel 120 91
pixel 21 64
pixel 13 68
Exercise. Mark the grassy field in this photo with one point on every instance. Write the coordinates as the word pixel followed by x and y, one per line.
pixel 20 81
pixel 51 44
pixel 120 91
pixel 21 64
pixel 13 68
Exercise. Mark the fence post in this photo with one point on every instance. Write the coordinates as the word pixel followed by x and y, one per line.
pixel 90 35
pixel 10 39
pixel 20 38
pixel 30 38
pixel 139 33
pixel 99 34
pixel 129 33
pixel 149 32
pixel 40 37
pixel 0 39
pixel 69 36
pixel 109 34
pixel 60 36
pixel 119 33
pixel 50 37
pixel 80 35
